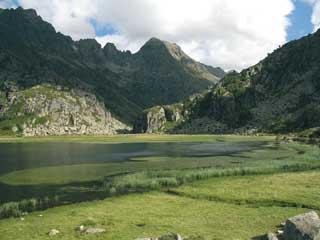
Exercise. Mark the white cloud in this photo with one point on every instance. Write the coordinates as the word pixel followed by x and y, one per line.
pixel 70 17
pixel 315 19
pixel 232 34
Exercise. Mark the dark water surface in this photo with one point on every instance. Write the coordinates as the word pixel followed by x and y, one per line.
pixel 20 156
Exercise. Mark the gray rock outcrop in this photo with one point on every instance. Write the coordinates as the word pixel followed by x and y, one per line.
pixel 159 119
pixel 303 227
pixel 50 110
pixel 271 236
pixel 156 119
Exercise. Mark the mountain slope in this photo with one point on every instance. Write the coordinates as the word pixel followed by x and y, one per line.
pixel 33 53
pixel 280 94
pixel 162 78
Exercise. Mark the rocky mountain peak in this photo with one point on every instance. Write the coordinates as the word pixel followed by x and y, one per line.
pixel 153 46
pixel 27 12
pixel 26 15
pixel 92 44
pixel 154 41
pixel 110 47
pixel 110 50
pixel 21 28
pixel 172 48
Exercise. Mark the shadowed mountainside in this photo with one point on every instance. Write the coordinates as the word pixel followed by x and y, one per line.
pixel 280 94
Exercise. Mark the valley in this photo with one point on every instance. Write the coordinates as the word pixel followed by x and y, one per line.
pixel 102 143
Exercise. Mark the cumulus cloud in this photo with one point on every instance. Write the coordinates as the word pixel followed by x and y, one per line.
pixel 70 17
pixel 315 19
pixel 232 34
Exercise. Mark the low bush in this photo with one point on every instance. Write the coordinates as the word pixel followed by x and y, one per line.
pixel 10 210
pixel 17 209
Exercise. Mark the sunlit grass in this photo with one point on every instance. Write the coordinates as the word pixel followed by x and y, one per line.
pixel 291 189
pixel 151 214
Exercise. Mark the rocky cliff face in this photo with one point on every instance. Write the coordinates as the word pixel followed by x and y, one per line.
pixel 48 110
pixel 159 119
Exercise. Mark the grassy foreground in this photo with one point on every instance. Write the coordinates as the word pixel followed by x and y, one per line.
pixel 286 190
pixel 235 197
pixel 195 211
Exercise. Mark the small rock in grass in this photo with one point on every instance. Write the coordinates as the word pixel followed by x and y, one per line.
pixel 280 232
pixel 140 224
pixel 170 236
pixel 194 237
pixel 272 236
pixel 94 230
pixel 81 228
pixel 146 238
pixel 15 129
pixel 53 232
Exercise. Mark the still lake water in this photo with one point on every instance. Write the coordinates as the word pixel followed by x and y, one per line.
pixel 34 155
pixel 21 156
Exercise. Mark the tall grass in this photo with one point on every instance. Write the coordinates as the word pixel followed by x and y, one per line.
pixel 157 180
pixel 17 209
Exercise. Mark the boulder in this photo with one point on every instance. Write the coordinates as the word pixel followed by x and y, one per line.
pixel 147 238
pixel 92 230
pixel 170 236
pixel 80 228
pixel 195 237
pixel 53 232
pixel 271 236
pixel 303 227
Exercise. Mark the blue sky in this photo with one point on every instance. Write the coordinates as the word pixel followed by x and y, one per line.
pixel 300 21
pixel 232 34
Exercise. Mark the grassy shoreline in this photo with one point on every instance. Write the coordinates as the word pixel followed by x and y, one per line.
pixel 135 138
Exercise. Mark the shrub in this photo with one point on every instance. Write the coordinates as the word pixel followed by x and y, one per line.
pixel 15 209
pixel 28 205
pixel 10 210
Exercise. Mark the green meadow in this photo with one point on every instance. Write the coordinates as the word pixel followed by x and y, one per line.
pixel 135 138
pixel 239 195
